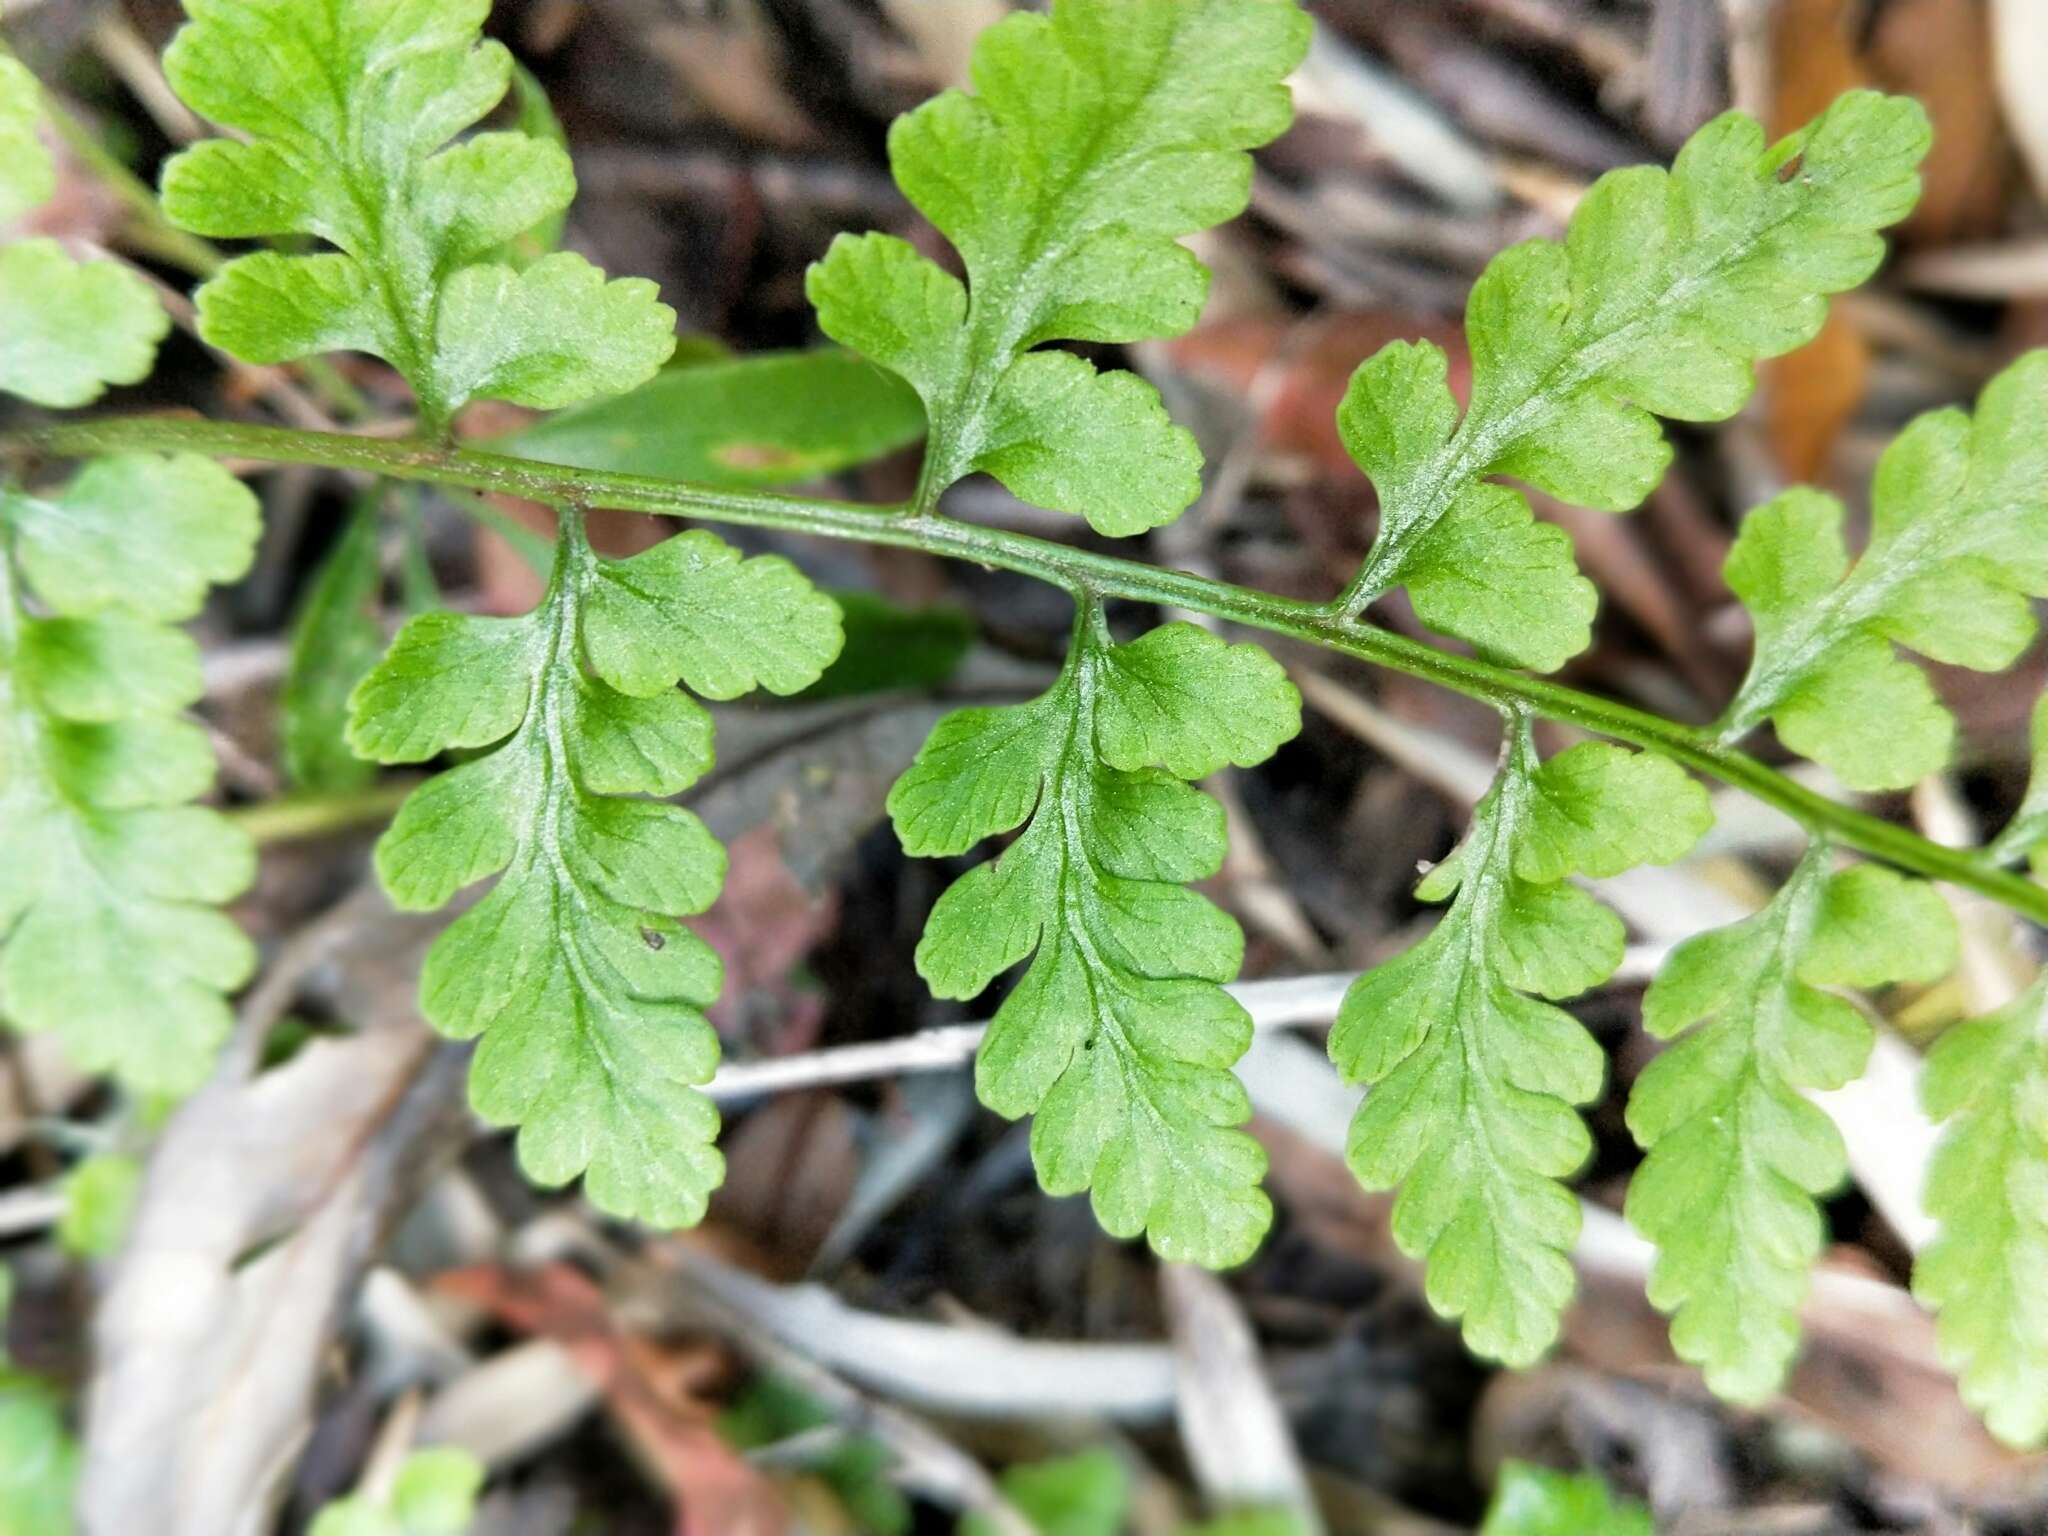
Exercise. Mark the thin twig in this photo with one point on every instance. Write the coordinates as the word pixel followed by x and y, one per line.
pixel 964 1373
pixel 1272 1005
pixel 32 1209
pixel 769 1323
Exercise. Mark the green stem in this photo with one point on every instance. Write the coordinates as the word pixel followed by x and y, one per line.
pixel 148 230
pixel 1076 570
pixel 296 818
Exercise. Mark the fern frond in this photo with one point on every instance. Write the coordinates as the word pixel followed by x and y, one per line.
pixel 39 1460
pixel 1958 544
pixel 1474 1080
pixel 586 991
pixel 68 328
pixel 1987 1081
pixel 1119 1035
pixel 109 880
pixel 1535 1501
pixel 1736 1153
pixel 28 176
pixel 347 111
pixel 1096 136
pixel 1666 289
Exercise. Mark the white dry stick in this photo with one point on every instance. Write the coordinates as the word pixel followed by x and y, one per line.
pixel 1272 1004
pixel 1232 1428
pixel 768 1322
pixel 2019 46
pixel 1749 54
pixel 1450 768
pixel 130 56
pixel 505 1408
pixel 2016 269
pixel 959 1372
pixel 1889 1138
pixel 30 1209
pixel 1336 80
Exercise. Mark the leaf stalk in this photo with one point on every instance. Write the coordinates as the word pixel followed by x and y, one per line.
pixel 1075 570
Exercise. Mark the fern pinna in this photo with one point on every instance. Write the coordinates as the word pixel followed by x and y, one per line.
pixel 1095 138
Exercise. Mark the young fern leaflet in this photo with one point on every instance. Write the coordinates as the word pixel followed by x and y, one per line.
pixel 1987 1081
pixel 347 109
pixel 1668 286
pixel 1736 1154
pixel 585 991
pixel 1096 136
pixel 1958 543
pixel 1475 1083
pixel 1119 1035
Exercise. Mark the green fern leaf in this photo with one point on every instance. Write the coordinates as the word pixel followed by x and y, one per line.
pixel 38 1458
pixel 138 532
pixel 1666 289
pixel 68 329
pixel 2026 835
pixel 109 883
pixel 1086 1494
pixel 346 111
pixel 1097 135
pixel 99 1198
pixel 765 419
pixel 1119 1035
pixel 1535 1501
pixel 1959 527
pixel 28 176
pixel 1474 1080
pixel 1987 1079
pixel 434 1494
pixel 1736 1154
pixel 585 989
pixel 337 638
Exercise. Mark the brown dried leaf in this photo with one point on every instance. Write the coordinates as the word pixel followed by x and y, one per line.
pixel 1940 51
pixel 734 68
pixel 1811 394
pixel 655 1393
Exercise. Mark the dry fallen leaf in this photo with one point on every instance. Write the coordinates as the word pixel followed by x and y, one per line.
pixel 267 1195
pixel 1940 51
pixel 656 1394
pixel 1810 395
pixel 733 66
